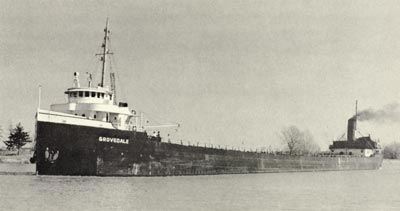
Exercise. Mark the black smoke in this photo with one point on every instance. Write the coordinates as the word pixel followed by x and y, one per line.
pixel 389 113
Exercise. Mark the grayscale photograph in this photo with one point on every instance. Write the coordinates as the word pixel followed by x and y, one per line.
pixel 199 105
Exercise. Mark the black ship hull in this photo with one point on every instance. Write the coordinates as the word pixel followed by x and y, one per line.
pixel 64 149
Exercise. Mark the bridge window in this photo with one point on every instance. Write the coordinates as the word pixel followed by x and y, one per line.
pixel 98 95
pixel 75 94
pixel 86 94
pixel 102 95
pixel 80 94
pixel 83 115
pixel 93 94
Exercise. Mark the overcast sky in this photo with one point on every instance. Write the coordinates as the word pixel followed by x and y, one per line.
pixel 227 71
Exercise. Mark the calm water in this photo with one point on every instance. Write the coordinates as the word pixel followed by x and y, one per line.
pixel 352 190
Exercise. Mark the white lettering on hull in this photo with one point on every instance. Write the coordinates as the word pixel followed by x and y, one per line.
pixel 114 140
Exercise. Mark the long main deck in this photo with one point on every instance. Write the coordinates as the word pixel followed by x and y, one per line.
pixel 67 149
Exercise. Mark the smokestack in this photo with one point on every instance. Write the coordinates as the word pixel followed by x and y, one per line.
pixel 351 128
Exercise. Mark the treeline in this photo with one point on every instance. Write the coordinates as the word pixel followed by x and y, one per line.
pixel 392 151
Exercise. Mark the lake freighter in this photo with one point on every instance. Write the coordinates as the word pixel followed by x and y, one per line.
pixel 93 135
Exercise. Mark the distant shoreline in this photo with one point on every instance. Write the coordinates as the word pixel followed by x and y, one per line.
pixel 17 169
pixel 13 164
pixel 7 156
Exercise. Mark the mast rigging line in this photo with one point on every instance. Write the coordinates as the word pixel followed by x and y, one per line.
pixel 122 94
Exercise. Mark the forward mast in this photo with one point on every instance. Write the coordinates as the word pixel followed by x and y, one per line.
pixel 104 54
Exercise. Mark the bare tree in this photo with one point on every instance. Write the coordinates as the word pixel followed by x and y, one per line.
pixel 292 138
pixel 310 146
pixel 1 133
pixel 392 151
pixel 297 141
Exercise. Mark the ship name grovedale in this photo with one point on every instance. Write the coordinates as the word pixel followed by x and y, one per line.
pixel 114 140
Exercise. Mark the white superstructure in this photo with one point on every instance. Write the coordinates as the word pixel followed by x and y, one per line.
pixel 96 104
pixel 92 106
